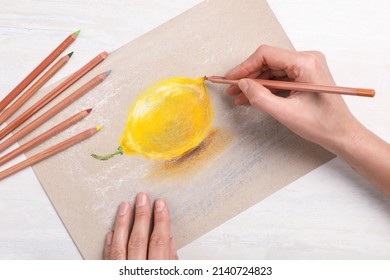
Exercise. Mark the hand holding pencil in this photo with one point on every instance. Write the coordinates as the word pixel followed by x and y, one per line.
pixel 318 117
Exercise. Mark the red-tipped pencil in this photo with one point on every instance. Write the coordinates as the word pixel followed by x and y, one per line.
pixel 38 70
pixel 9 111
pixel 45 136
pixel 50 152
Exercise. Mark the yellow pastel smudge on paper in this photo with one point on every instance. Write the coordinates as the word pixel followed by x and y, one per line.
pixel 168 120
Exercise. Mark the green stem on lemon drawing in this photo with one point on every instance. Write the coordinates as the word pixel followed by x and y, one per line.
pixel 119 151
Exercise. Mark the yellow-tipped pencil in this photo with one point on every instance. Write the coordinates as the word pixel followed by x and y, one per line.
pixel 44 136
pixel 50 152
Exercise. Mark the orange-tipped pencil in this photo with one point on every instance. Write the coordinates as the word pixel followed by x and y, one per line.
pixel 38 70
pixel 49 152
pixel 44 136
pixel 34 88
pixel 53 111
pixel 52 94
pixel 296 86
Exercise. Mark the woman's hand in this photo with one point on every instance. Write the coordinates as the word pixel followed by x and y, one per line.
pixel 136 243
pixel 318 117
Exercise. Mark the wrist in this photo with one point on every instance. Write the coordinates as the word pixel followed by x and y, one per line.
pixel 347 138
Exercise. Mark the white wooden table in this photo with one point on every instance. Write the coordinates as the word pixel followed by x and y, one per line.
pixel 329 213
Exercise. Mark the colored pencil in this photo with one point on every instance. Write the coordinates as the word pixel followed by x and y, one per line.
pixel 53 111
pixel 295 86
pixel 10 110
pixel 38 70
pixel 52 94
pixel 44 136
pixel 49 152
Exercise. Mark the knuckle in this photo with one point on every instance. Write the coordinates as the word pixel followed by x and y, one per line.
pixel 141 213
pixel 319 55
pixel 117 253
pixel 136 242
pixel 159 219
pixel 262 48
pixel 157 240
pixel 254 101
pixel 313 60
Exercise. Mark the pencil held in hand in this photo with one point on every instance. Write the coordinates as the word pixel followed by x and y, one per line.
pixel 49 152
pixel 38 70
pixel 296 86
pixel 44 136
pixel 34 88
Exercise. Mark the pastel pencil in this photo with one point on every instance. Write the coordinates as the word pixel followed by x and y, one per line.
pixel 50 152
pixel 38 70
pixel 296 86
pixel 53 111
pixel 44 136
pixel 52 94
pixel 10 110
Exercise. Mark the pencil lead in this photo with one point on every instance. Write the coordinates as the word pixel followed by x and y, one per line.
pixel 89 110
pixel 77 32
pixel 70 54
pixel 108 73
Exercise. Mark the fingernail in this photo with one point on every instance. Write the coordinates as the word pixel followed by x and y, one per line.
pixel 123 208
pixel 109 238
pixel 141 199
pixel 159 205
pixel 244 85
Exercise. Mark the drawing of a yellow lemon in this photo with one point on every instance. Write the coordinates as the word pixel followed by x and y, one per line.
pixel 168 120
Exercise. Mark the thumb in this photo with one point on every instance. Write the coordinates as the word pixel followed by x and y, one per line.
pixel 260 97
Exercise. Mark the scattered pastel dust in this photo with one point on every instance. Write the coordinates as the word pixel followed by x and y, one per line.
pixel 192 162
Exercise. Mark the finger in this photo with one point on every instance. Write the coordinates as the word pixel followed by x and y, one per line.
pixel 266 75
pixel 138 241
pixel 172 250
pixel 107 246
pixel 262 98
pixel 233 89
pixel 274 58
pixel 121 232
pixel 160 238
pixel 241 99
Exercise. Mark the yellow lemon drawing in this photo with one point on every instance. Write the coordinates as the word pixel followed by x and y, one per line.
pixel 168 120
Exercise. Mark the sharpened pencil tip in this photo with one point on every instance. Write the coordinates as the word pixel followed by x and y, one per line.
pixel 89 110
pixel 99 128
pixel 77 32
pixel 108 73
pixel 70 54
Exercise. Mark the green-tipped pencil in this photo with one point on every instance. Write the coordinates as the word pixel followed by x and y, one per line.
pixel 38 70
